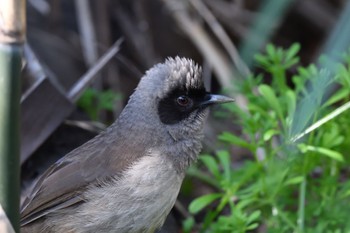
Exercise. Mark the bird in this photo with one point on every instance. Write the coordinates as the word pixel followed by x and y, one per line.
pixel 127 178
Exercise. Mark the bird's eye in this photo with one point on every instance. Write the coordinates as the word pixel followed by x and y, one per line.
pixel 183 101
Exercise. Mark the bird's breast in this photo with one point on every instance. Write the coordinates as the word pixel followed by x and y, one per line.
pixel 139 201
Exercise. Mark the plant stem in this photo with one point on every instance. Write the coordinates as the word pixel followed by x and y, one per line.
pixel 301 212
pixel 285 218
pixel 323 120
pixel 203 177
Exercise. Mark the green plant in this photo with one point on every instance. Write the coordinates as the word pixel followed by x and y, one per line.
pixel 93 101
pixel 299 138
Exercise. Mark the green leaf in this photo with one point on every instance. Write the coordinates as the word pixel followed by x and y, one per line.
pixel 271 51
pixel 292 51
pixel 291 103
pixel 279 56
pixel 201 202
pixel 211 164
pixel 188 225
pixel 344 75
pixel 268 93
pixel 92 101
pixel 269 134
pixel 233 139
pixel 107 100
pixel 257 108
pixel 254 216
pixel 337 96
pixel 321 121
pixel 225 161
pixel 252 226
pixel 88 102
pixel 294 180
pixel 262 60
pixel 323 151
pixel 291 63
pixel 332 136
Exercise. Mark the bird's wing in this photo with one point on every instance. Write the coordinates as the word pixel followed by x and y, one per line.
pixel 63 183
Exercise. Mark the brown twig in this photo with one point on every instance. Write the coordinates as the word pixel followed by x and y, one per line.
pixel 181 209
pixel 87 31
pixel 137 38
pixel 37 71
pixel 91 126
pixel 233 11
pixel 233 16
pixel 318 13
pixel 88 36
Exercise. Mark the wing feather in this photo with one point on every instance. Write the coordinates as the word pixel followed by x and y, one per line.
pixel 63 184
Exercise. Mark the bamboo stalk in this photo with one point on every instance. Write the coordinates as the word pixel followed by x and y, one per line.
pixel 12 21
pixel 12 36
pixel 5 225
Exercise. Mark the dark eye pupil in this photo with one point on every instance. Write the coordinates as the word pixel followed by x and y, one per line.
pixel 182 100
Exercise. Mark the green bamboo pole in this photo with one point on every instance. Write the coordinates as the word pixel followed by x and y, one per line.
pixel 12 36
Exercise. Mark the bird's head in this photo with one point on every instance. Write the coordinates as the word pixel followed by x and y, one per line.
pixel 168 110
pixel 172 97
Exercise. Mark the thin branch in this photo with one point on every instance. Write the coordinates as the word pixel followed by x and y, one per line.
pixel 87 31
pixel 37 72
pixel 202 40
pixel 323 120
pixel 182 209
pixel 91 126
pixel 318 13
pixel 137 37
pixel 89 76
pixel 222 36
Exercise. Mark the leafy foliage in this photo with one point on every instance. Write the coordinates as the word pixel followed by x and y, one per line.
pixel 297 181
pixel 93 101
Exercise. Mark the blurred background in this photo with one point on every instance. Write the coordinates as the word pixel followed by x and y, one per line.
pixel 66 38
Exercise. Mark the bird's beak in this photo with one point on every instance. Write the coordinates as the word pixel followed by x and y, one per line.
pixel 216 99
